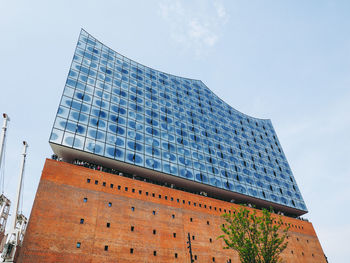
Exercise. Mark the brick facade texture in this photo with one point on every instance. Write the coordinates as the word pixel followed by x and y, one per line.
pixel 145 219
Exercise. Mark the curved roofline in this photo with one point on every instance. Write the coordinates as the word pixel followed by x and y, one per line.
pixel 82 29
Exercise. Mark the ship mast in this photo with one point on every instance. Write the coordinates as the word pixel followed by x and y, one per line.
pixel 19 222
pixel 5 203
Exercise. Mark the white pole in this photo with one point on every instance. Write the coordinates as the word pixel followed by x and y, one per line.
pixel 19 188
pixel 3 135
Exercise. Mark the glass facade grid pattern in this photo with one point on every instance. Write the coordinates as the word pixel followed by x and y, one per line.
pixel 116 108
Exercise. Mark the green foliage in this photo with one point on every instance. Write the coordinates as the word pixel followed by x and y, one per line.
pixel 256 238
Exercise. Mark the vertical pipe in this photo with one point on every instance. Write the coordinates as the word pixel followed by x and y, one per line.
pixel 19 188
pixel 3 135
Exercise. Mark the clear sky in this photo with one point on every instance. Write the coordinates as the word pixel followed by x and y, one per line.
pixel 288 61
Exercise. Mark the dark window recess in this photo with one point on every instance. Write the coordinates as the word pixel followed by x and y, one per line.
pixel 140 191
pixel 154 231
pixel 78 244
pixel 112 185
pixel 210 240
pixel 175 255
pixel 104 184
pixel 213 259
pixel 160 196
pixel 119 187
pixel 88 180
pixel 154 212
pixel 85 199
pixel 174 234
pixel 171 198
pixel 126 189
pixel 132 208
pixel 173 216
pixel 133 190
pixel 178 200
pixel 192 237
pixel 106 248
pixel 154 253
pixel 132 228
pixel 109 204
pixel 208 223
pixel 147 193
pixel 153 195
pixel 191 219
pixel 195 257
pixel 165 197
pixel 82 221
pixel 131 251
pixel 96 181
pixel 108 225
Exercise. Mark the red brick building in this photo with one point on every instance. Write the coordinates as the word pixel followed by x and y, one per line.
pixel 84 215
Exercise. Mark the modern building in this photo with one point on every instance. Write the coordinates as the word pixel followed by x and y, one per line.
pixel 147 158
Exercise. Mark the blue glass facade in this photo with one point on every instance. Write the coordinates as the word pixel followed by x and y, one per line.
pixel 119 109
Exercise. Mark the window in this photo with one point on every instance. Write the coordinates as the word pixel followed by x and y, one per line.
pixel 174 235
pixel 78 244
pixel 172 199
pixel 178 200
pixel 147 193
pixel 175 255
pixel 173 216
pixel 104 184
pixel 208 223
pixel 195 257
pixel 153 195
pixel 191 219
pixel 165 197
pixel 106 248
pixel 229 261
pixel 131 251
pixel 132 208
pixel 213 259
pixel 160 196
pixel 109 204
pixel 210 240
pixel 85 199
pixel 154 212
pixel 133 190
pixel 140 191
pixel 126 189
pixel 96 181
pixel 119 187
pixel 192 237
pixel 132 228
pixel 154 231
pixel 112 185
pixel 82 221
pixel 108 224
pixel 88 180
pixel 154 253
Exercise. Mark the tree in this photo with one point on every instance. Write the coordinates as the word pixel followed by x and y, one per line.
pixel 257 239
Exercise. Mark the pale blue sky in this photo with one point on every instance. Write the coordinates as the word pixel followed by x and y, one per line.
pixel 288 61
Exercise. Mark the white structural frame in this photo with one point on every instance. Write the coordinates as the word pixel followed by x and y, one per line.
pixel 16 233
